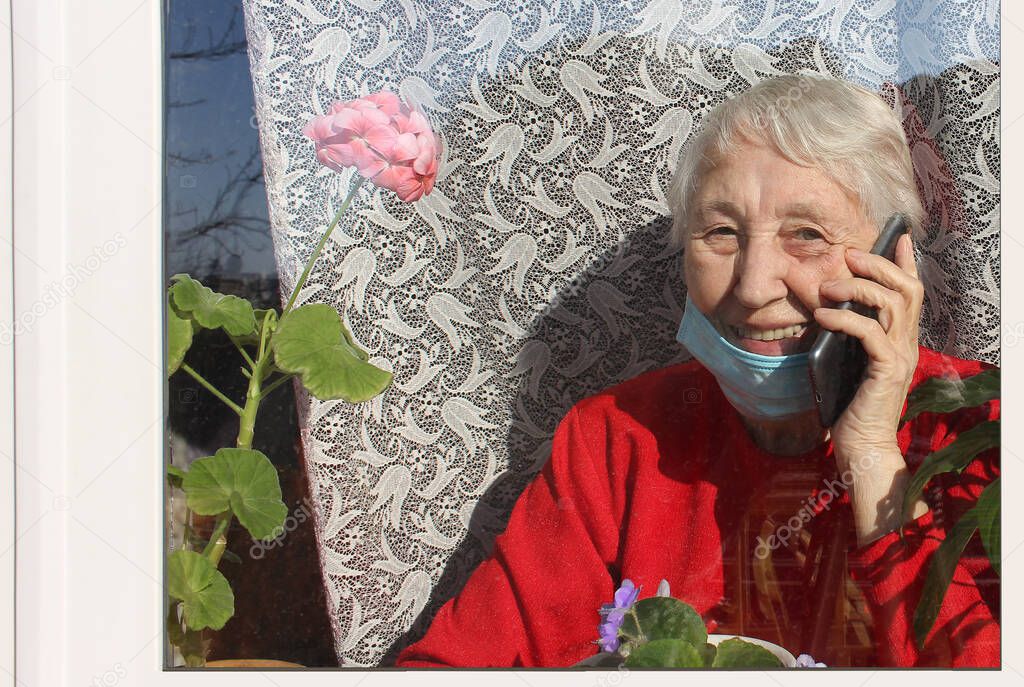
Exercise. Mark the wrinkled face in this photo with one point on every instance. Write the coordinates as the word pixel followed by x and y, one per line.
pixel 764 233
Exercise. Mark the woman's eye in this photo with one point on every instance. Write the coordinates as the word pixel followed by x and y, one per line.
pixel 810 234
pixel 723 231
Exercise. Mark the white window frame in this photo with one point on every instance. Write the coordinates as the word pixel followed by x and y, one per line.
pixel 7 463
pixel 82 105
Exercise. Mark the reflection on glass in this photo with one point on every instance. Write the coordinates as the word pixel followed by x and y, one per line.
pixel 217 231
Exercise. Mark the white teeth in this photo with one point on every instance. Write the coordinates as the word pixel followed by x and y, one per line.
pixel 771 334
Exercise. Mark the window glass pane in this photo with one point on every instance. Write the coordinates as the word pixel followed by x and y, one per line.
pixel 216 230
pixel 562 125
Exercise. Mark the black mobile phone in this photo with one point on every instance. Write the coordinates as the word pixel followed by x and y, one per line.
pixel 837 360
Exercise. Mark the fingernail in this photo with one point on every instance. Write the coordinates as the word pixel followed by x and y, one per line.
pixel 855 252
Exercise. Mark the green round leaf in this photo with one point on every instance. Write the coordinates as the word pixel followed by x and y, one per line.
pixel 179 337
pixel 175 475
pixel 665 653
pixel 663 617
pixel 211 309
pixel 736 653
pixel 205 593
pixel 243 481
pixel 311 341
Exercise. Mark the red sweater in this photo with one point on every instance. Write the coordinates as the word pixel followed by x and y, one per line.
pixel 657 478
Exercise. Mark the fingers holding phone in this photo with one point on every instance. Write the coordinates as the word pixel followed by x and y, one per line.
pixel 893 290
pixel 890 342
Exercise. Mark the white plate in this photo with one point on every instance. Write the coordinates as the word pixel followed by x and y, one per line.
pixel 606 660
pixel 788 659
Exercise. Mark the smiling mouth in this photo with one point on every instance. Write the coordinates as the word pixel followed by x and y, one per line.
pixel 796 338
pixel 791 332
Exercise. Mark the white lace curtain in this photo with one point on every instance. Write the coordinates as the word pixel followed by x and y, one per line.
pixel 539 270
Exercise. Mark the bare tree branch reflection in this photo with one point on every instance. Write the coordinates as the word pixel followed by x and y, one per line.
pixel 215 49
pixel 216 217
pixel 226 229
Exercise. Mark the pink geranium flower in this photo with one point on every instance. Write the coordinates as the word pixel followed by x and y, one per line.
pixel 389 143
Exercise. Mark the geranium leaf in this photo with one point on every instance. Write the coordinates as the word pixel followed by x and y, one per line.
pixel 243 481
pixel 206 594
pixel 665 653
pixel 736 653
pixel 945 395
pixel 179 337
pixel 954 457
pixel 211 309
pixel 175 475
pixel 312 342
pixel 360 353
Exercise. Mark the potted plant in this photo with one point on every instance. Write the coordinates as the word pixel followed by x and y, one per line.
pixel 947 395
pixel 664 632
pixel 394 147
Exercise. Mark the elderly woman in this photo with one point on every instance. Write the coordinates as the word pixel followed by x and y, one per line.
pixel 696 473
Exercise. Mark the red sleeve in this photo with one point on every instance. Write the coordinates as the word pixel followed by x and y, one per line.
pixel 891 573
pixel 534 601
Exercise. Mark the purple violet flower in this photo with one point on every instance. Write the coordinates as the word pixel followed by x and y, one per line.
pixel 614 613
pixel 806 661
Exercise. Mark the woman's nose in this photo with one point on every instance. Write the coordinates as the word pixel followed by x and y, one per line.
pixel 761 274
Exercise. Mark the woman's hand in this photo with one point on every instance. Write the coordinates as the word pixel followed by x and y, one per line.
pixel 871 419
pixel 864 436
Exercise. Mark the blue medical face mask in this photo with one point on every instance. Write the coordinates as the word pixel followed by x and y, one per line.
pixel 764 387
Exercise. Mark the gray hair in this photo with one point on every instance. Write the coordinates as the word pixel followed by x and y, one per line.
pixel 847 131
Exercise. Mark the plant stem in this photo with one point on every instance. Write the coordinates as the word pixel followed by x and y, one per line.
pixel 211 388
pixel 247 425
pixel 273 385
pixel 316 251
pixel 242 350
pixel 223 520
pixel 261 350
pixel 186 536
